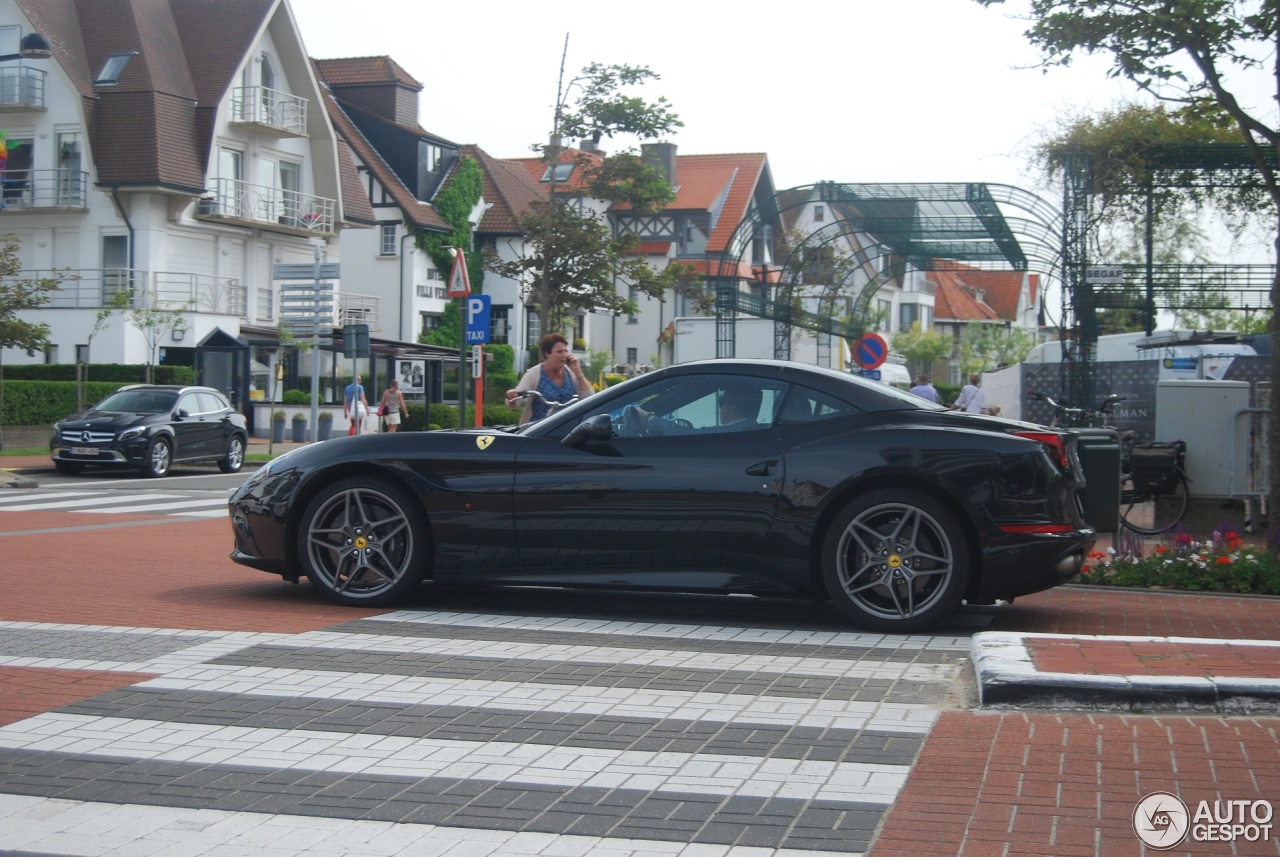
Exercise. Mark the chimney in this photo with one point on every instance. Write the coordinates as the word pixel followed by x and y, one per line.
pixel 662 156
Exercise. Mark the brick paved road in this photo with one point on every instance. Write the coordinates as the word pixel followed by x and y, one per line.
pixel 157 699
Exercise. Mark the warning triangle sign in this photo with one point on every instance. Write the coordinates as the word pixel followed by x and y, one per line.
pixel 459 283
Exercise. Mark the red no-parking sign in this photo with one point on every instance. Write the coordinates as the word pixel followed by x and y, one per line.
pixel 870 351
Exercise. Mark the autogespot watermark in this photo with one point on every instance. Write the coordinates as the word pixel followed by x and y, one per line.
pixel 1163 821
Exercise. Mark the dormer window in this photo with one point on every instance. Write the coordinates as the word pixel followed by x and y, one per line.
pixel 113 68
pixel 563 171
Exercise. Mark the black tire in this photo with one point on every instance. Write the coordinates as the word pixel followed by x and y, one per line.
pixel 233 460
pixel 159 458
pixel 68 466
pixel 363 542
pixel 895 561
pixel 1153 514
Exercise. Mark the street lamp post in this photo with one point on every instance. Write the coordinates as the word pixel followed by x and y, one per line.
pixel 34 46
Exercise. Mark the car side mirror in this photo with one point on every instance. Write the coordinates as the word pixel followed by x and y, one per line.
pixel 599 427
pixel 181 413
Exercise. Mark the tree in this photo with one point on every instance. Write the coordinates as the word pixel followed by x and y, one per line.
pixel 17 295
pixel 921 348
pixel 573 261
pixel 154 324
pixel 1133 203
pixel 989 346
pixel 1185 52
pixel 577 264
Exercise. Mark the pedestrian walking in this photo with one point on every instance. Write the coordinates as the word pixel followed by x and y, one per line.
pixel 355 406
pixel 924 389
pixel 972 398
pixel 392 406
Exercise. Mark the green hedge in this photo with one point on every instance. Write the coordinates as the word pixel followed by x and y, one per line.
pixel 33 403
pixel 446 417
pixel 113 373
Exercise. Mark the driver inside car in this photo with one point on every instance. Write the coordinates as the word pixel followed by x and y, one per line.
pixel 739 406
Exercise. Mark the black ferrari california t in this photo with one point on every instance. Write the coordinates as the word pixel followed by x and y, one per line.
pixel 723 476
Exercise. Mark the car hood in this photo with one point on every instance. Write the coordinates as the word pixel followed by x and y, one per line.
pixel 108 419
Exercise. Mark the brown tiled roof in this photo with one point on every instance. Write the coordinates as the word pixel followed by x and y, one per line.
pixel 731 180
pixel 508 187
pixel 537 168
pixel 416 213
pixel 953 302
pixel 355 71
pixel 1000 289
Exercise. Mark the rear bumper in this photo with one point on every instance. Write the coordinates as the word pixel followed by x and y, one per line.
pixel 1020 564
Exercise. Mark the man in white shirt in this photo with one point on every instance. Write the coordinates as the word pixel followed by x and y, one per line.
pixel 972 398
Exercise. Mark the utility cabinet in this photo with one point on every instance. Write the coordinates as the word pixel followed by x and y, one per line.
pixel 1213 418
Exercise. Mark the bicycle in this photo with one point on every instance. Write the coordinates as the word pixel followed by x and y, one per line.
pixel 552 407
pixel 1154 488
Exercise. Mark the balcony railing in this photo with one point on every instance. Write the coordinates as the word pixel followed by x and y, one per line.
pixel 269 109
pixel 199 293
pixel 97 288
pixel 296 212
pixel 21 87
pixel 32 189
pixel 358 309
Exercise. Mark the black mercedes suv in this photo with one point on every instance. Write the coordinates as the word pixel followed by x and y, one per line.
pixel 152 427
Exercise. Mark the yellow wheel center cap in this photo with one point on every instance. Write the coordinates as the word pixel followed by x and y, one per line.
pixel 361 543
pixel 895 561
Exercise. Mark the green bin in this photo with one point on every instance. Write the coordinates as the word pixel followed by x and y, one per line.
pixel 1099 452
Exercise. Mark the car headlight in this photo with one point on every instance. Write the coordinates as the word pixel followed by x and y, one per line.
pixel 131 433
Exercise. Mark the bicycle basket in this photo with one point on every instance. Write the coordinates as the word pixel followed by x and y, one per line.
pixel 1155 466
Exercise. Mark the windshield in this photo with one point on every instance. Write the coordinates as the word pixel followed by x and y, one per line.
pixel 139 402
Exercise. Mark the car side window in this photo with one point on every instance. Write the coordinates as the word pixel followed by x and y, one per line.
pixel 209 403
pixel 190 403
pixel 700 404
pixel 803 405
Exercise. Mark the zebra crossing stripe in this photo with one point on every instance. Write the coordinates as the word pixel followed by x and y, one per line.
pixel 495 734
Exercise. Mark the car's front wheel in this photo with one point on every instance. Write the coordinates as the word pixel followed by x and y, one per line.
pixel 234 458
pixel 159 458
pixel 363 542
pixel 895 561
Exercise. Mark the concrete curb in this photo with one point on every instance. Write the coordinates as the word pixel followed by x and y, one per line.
pixel 9 479
pixel 1007 677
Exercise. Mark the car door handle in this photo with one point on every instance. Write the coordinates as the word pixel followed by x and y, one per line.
pixel 762 469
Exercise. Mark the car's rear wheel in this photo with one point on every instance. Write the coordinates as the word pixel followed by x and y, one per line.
pixel 895 561
pixel 159 458
pixel 68 466
pixel 363 542
pixel 234 458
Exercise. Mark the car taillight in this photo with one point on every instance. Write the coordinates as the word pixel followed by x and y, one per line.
pixel 1055 443
pixel 1036 528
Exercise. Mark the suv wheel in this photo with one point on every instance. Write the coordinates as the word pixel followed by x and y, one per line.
pixel 159 458
pixel 234 459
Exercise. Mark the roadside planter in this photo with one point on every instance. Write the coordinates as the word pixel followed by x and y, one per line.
pixel 324 425
pixel 299 428
pixel 277 427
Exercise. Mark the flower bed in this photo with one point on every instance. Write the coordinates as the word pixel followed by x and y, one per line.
pixel 1224 562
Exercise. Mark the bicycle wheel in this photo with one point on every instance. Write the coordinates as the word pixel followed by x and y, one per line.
pixel 1152 514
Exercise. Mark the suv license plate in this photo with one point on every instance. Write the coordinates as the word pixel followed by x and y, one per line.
pixel 84 450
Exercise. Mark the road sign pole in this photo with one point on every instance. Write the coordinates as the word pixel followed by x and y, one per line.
pixel 460 287
pixel 477 369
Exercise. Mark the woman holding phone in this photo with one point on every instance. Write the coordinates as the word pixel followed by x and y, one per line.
pixel 558 378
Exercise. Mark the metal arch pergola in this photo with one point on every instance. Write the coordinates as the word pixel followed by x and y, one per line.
pixel 1245 287
pixel 925 225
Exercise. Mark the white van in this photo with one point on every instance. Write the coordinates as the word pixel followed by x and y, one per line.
pixel 1188 354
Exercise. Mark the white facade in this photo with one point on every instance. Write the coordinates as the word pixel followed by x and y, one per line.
pixel 271 195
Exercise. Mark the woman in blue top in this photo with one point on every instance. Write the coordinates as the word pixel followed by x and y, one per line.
pixel 558 378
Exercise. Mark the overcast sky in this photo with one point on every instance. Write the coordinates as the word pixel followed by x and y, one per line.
pixel 840 90
pixel 855 90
